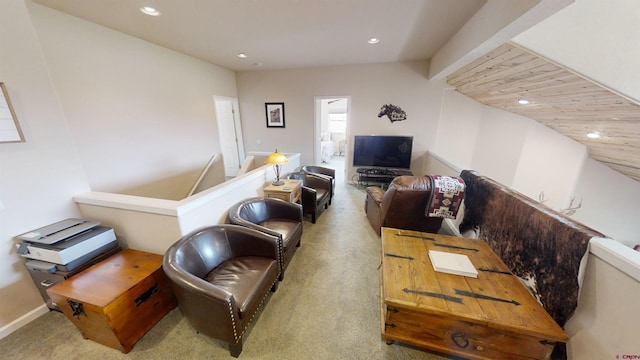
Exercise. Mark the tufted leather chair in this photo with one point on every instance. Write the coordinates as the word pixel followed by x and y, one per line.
pixel 402 205
pixel 316 192
pixel 275 217
pixel 221 275
pixel 322 171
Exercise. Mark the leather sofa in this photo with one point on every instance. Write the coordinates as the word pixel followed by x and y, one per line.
pixel 402 205
pixel 221 275
pixel 316 192
pixel 272 216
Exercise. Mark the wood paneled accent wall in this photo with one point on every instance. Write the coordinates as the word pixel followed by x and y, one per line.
pixel 560 99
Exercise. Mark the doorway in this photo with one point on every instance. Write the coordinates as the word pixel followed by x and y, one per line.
pixel 331 131
pixel 230 134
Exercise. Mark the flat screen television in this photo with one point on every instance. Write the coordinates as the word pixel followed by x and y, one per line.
pixel 382 151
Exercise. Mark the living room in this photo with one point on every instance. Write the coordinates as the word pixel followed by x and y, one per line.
pixel 74 71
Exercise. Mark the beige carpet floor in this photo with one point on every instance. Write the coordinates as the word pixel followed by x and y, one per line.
pixel 327 307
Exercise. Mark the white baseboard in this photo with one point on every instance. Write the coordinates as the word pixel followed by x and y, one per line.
pixel 23 320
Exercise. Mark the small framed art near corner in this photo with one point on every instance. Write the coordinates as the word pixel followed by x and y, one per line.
pixel 275 114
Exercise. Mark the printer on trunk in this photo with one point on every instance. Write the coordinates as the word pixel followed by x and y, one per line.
pixel 60 250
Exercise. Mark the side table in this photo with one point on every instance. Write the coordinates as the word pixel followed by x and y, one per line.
pixel 291 190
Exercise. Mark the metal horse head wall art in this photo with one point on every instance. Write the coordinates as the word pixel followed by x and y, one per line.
pixel 394 113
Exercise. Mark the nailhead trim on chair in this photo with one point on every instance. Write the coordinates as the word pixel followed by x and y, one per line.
pixel 233 322
pixel 258 308
pixel 235 335
pixel 281 254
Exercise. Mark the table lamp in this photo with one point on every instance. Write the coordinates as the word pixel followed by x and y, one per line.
pixel 277 159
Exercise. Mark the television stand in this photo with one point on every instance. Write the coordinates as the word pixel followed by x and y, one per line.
pixel 379 176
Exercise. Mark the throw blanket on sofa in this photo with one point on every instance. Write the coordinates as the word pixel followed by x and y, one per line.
pixel 535 242
pixel 446 197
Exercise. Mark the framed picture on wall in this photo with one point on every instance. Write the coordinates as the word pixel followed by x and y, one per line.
pixel 275 114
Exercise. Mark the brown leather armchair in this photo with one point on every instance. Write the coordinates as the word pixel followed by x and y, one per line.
pixel 322 171
pixel 316 192
pixel 221 275
pixel 275 217
pixel 402 206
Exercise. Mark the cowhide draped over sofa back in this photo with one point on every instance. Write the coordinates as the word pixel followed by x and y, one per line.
pixel 532 240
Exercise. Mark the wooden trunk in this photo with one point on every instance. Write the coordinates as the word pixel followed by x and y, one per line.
pixel 116 301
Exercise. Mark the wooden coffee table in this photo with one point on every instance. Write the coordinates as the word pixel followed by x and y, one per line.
pixel 492 316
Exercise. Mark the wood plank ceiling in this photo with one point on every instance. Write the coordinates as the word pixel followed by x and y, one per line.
pixel 560 99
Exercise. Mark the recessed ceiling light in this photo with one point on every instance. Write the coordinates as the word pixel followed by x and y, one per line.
pixel 258 64
pixel 242 56
pixel 524 102
pixel 373 41
pixel 594 135
pixel 150 11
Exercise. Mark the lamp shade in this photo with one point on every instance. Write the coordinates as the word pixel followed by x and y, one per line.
pixel 277 158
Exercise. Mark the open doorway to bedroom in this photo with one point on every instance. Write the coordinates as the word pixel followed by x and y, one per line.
pixel 331 132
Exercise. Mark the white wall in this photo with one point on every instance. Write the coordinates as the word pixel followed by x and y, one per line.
pixel 137 112
pixel 530 158
pixel 474 136
pixel 38 178
pixel 598 39
pixel 549 164
pixel 512 149
pixel 495 23
pixel 99 110
pixel 536 158
pixel 603 326
pixel 370 87
pixel 152 225
pixel 458 127
pixel 612 202
pixel 499 144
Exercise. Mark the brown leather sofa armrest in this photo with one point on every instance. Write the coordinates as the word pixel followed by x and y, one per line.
pixel 375 193
pixel 372 207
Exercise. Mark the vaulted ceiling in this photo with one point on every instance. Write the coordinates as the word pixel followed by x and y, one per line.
pixel 559 99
